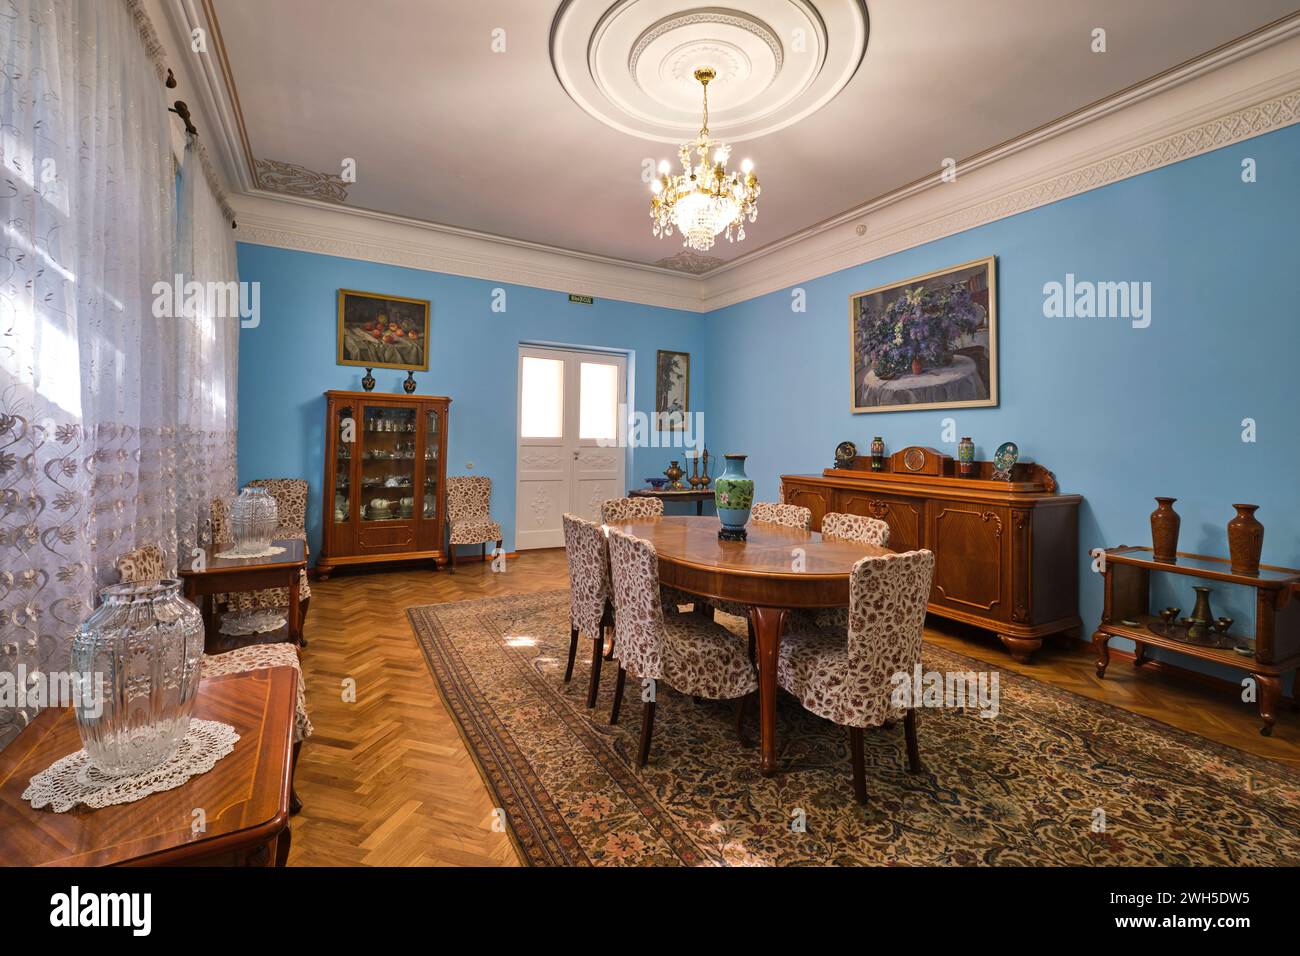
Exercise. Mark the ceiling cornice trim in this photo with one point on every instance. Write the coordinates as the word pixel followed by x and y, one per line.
pixel 1240 90
pixel 328 229
pixel 1241 99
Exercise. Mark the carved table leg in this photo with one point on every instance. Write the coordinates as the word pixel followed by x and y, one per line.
pixel 768 623
pixel 282 844
pixel 1270 692
pixel 1101 643
pixel 1139 654
pixel 1021 648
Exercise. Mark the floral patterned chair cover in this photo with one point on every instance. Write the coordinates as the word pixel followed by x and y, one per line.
pixel 620 510
pixel 849 681
pixel 468 520
pixel 691 654
pixel 590 607
pixel 147 563
pixel 290 496
pixel 844 527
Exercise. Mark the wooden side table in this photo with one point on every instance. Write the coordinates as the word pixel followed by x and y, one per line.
pixel 244 797
pixel 229 575
pixel 665 495
pixel 1274 646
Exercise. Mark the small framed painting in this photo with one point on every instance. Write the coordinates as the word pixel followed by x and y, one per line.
pixel 926 342
pixel 672 389
pixel 383 331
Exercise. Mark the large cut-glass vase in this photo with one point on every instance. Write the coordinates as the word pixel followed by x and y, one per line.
pixel 253 520
pixel 733 497
pixel 137 660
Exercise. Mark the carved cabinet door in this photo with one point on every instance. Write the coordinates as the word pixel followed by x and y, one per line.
pixel 814 499
pixel 905 516
pixel 972 549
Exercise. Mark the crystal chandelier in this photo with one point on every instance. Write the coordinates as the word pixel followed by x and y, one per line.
pixel 704 199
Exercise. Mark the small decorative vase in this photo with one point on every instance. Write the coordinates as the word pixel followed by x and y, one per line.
pixel 254 517
pixel 1164 530
pixel 368 380
pixel 704 475
pixel 917 367
pixel 1245 540
pixel 137 660
pixel 733 497
pixel 965 457
pixel 1202 619
pixel 409 385
pixel 674 474
pixel 877 454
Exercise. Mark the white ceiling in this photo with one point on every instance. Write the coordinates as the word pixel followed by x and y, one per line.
pixel 445 130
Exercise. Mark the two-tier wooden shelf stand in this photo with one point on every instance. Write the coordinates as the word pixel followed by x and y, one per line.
pixel 1275 642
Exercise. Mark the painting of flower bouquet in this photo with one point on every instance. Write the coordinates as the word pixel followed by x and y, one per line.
pixel 926 342
pixel 383 331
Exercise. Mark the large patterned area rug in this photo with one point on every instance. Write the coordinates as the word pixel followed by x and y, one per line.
pixel 1053 779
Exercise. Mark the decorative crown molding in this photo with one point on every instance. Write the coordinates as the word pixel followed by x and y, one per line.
pixel 1238 91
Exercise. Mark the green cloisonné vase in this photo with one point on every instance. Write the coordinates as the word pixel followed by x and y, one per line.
pixel 733 497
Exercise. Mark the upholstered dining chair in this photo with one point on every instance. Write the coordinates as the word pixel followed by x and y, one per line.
pixel 290 496
pixel 590 609
pixel 619 510
pixel 773 512
pixel 687 652
pixel 149 563
pixel 468 521
pixel 847 680
pixel 845 527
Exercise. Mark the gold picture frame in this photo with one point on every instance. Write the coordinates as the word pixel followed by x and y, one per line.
pixel 965 368
pixel 672 389
pixel 402 341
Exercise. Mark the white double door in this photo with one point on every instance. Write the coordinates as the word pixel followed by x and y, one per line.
pixel 568 405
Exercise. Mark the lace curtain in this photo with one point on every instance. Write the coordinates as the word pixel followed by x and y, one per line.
pixel 114 421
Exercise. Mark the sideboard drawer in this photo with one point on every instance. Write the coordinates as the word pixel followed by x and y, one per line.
pixel 905 516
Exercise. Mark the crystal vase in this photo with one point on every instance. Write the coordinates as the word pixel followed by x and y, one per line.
pixel 253 520
pixel 137 659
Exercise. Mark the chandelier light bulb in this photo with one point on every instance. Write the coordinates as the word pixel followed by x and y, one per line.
pixel 665 167
pixel 747 166
pixel 656 187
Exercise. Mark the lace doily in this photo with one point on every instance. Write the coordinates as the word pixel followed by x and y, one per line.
pixel 72 779
pixel 260 621
pixel 269 552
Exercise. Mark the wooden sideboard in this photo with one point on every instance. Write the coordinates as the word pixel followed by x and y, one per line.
pixel 1006 552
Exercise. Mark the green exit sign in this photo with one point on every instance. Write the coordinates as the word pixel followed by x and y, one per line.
pixel 581 299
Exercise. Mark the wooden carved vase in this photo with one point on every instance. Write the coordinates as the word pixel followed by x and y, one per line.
pixel 1245 540
pixel 1164 530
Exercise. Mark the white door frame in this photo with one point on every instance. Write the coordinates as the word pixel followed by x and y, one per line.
pixel 566 472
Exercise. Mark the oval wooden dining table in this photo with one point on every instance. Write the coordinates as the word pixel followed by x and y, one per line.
pixel 775 570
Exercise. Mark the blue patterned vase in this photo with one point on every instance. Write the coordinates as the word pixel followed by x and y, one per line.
pixel 733 496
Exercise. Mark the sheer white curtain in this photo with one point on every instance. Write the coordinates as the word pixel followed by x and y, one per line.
pixel 98 409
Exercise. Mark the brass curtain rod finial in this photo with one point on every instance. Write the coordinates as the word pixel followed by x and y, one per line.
pixel 183 111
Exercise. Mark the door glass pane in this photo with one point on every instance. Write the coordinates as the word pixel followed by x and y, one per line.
pixel 388 464
pixel 598 401
pixel 541 398
pixel 431 489
pixel 344 443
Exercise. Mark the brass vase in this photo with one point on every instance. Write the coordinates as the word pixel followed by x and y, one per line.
pixel 1164 530
pixel 1245 540
pixel 704 475
pixel 674 475
pixel 694 480
pixel 1202 619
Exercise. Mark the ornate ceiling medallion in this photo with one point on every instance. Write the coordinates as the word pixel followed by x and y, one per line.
pixel 631 63
pixel 294 180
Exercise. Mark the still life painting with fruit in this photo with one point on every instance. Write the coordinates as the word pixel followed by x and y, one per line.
pixel 383 331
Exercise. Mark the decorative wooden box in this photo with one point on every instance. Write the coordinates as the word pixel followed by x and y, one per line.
pixel 1006 552
pixel 383 450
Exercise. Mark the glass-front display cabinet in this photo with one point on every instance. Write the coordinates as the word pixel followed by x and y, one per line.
pixel 385 467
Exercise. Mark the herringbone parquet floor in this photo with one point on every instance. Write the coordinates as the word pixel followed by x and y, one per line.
pixel 386 781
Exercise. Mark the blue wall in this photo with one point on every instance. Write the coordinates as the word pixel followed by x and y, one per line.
pixel 1119 414
pixel 287 362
